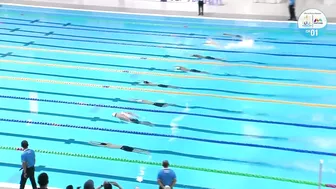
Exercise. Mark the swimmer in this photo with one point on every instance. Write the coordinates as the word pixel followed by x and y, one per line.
pixel 125 148
pixel 158 104
pixel 130 118
pixel 206 57
pixel 231 35
pixel 184 69
pixel 147 83
pixel 210 42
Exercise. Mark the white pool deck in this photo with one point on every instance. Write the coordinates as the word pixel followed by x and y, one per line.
pixel 230 9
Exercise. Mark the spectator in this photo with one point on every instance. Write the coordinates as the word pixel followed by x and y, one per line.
pixel 89 184
pixel 166 177
pixel 291 8
pixel 108 185
pixel 71 187
pixel 43 180
pixel 200 7
pixel 28 166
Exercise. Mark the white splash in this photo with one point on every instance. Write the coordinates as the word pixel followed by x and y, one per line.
pixel 251 130
pixel 318 118
pixel 174 122
pixel 141 175
pixel 245 43
pixel 324 143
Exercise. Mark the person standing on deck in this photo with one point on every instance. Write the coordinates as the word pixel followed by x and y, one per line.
pixel 291 8
pixel 28 166
pixel 200 7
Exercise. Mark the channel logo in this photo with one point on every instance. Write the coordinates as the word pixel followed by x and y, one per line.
pixel 306 22
pixel 318 21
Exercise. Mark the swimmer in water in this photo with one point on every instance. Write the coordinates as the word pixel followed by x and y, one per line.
pixel 158 104
pixel 184 69
pixel 125 148
pixel 147 83
pixel 231 35
pixel 131 118
pixel 206 57
pixel 210 42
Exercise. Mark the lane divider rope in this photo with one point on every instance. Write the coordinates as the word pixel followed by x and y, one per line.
pixel 170 136
pixel 171 112
pixel 165 91
pixel 166 75
pixel 172 165
pixel 209 26
pixel 220 50
pixel 168 59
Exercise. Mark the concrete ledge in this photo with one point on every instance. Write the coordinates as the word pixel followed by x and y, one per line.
pixel 4 185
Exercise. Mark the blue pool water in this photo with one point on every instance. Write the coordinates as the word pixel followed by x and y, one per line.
pixel 42 50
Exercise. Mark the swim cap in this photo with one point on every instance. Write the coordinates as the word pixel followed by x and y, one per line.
pixel 167 187
pixel 114 114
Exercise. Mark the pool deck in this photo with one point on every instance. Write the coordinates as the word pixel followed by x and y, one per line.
pixel 231 9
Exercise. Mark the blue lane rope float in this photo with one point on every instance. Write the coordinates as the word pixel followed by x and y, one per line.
pixel 146 56
pixel 171 112
pixel 180 48
pixel 169 136
pixel 110 29
pixel 152 33
pixel 218 171
pixel 101 39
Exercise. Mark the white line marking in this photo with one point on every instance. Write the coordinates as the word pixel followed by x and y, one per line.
pixel 33 104
pixel 146 14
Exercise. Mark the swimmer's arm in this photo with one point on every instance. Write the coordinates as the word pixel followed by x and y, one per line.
pixel 141 151
pixel 174 87
pixel 132 114
pixel 116 185
pixel 113 146
pixel 99 187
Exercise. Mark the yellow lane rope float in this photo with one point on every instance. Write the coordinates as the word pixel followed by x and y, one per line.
pixel 168 59
pixel 167 75
pixel 166 92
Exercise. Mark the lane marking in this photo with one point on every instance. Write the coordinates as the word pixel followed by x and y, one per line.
pixel 167 59
pixel 165 92
pixel 33 104
pixel 167 75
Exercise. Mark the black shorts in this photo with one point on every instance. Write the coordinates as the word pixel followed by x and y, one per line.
pixel 159 104
pixel 164 86
pixel 196 71
pixel 127 148
pixel 136 121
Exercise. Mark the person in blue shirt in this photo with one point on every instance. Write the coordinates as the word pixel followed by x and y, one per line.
pixel 28 166
pixel 291 8
pixel 166 176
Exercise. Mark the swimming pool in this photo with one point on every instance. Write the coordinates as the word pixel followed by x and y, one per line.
pixel 263 116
